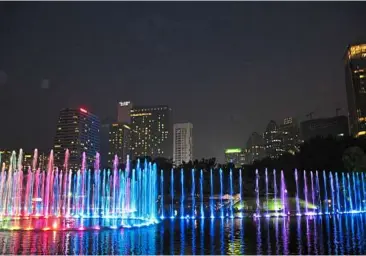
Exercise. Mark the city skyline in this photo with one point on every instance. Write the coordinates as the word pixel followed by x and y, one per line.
pixel 234 72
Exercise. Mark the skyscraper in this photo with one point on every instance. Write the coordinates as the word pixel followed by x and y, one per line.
pixel 182 143
pixel 78 131
pixel 255 148
pixel 355 68
pixel 273 142
pixel 290 135
pixel 123 112
pixel 151 131
pixel 119 134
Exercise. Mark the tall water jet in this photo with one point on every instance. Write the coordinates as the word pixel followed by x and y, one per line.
pixel 172 193
pixel 231 194
pixel 258 214
pixel 344 186
pixel 162 193
pixel 337 193
pixel 354 191
pixel 306 193
pixel 363 191
pixel 319 198
pixel 349 193
pixel 298 212
pixel 275 190
pixel 201 194
pixel 193 195
pixel 312 188
pixel 211 196
pixel 326 204
pixel 182 194
pixel 241 193
pixel 283 194
pixel 221 195
pixel 267 201
pixel 34 162
pixel 332 191
pixel 359 192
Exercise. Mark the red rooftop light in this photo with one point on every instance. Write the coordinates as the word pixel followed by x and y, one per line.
pixel 83 110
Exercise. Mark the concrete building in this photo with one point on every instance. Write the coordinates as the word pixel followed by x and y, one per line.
pixel 324 127
pixel 182 143
pixel 123 112
pixel 255 149
pixel 235 156
pixel 290 135
pixel 151 131
pixel 77 130
pixel 119 142
pixel 273 140
pixel 355 70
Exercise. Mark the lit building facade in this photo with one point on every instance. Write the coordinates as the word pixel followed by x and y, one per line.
pixel 273 140
pixel 182 143
pixel 151 131
pixel 255 150
pixel 42 160
pixel 323 127
pixel 123 112
pixel 119 135
pixel 77 130
pixel 290 135
pixel 355 69
pixel 235 156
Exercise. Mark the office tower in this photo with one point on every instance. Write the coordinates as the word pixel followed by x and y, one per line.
pixel 272 139
pixel 323 127
pixel 182 143
pixel 104 144
pixel 355 68
pixel 290 135
pixel 151 132
pixel 119 134
pixel 235 156
pixel 77 130
pixel 123 112
pixel 255 148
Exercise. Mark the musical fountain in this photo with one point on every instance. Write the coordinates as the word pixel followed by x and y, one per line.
pixel 63 199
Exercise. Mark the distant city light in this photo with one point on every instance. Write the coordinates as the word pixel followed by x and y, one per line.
pixel 124 103
pixel 83 110
pixel 233 150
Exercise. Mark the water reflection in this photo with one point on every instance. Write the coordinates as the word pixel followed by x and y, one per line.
pixel 343 234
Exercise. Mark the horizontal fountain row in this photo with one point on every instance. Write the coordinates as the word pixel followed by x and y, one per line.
pixel 340 193
pixel 124 194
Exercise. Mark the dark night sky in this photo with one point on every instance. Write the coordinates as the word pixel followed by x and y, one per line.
pixel 226 67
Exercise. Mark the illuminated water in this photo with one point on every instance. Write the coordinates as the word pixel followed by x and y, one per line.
pixel 67 195
pixel 338 234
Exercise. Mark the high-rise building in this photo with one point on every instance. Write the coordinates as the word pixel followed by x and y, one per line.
pixel 119 135
pixel 182 143
pixel 77 130
pixel 255 150
pixel 323 127
pixel 104 144
pixel 235 156
pixel 355 67
pixel 290 135
pixel 123 112
pixel 272 139
pixel 151 132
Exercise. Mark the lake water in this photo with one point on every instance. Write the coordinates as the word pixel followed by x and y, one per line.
pixel 342 234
